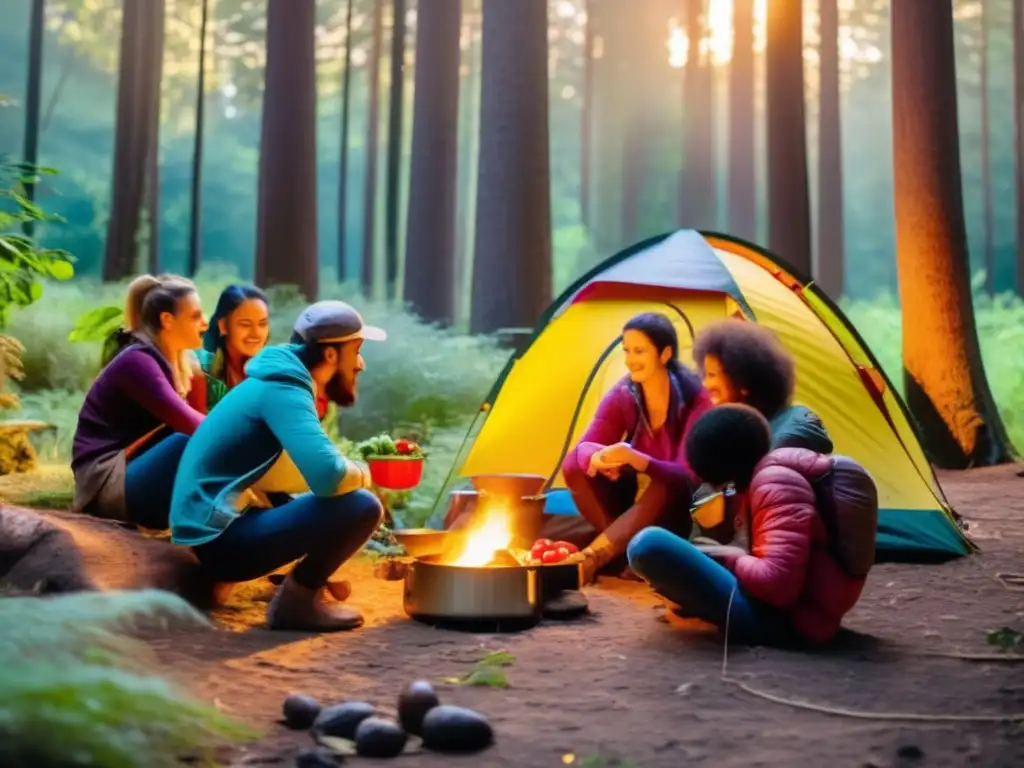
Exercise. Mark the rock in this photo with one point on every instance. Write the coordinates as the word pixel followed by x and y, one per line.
pixel 317 758
pixel 910 752
pixel 342 719
pixel 414 702
pixel 448 728
pixel 377 737
pixel 36 555
pixel 300 711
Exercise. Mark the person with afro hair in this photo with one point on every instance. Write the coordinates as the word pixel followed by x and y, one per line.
pixel 789 588
pixel 743 362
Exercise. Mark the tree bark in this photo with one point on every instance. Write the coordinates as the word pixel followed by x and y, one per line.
pixel 789 209
pixel 742 194
pixel 394 156
pixel 286 236
pixel 195 242
pixel 153 159
pixel 469 139
pixel 346 100
pixel 946 388
pixel 586 118
pixel 987 246
pixel 1018 121
pixel 830 256
pixel 33 97
pixel 136 101
pixel 430 240
pixel 698 203
pixel 512 276
pixel 372 134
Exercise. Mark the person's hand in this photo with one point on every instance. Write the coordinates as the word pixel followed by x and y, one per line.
pixel 610 460
pixel 357 477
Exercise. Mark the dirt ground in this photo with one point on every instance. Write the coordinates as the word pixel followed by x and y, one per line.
pixel 626 687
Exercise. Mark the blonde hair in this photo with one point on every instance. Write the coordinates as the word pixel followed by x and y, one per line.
pixel 149 296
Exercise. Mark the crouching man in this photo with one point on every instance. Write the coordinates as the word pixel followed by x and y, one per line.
pixel 274 410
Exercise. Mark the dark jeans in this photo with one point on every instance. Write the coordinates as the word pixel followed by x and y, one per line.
pixel 149 482
pixel 679 571
pixel 323 531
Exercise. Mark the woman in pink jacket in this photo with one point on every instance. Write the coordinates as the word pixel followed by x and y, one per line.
pixel 789 588
pixel 639 429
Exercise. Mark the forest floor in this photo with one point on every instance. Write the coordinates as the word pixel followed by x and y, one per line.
pixel 626 687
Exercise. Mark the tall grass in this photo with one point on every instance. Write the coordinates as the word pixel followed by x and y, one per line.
pixel 425 381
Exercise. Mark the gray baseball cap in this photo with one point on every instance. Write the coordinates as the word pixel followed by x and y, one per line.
pixel 334 321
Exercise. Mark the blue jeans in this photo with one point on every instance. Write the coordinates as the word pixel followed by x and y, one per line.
pixel 324 531
pixel 149 482
pixel 679 571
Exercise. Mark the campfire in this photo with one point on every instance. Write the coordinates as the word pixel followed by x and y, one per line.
pixel 482 571
pixel 487 542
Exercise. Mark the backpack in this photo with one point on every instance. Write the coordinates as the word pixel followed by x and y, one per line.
pixel 847 500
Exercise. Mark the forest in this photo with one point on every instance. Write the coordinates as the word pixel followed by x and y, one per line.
pixel 277 142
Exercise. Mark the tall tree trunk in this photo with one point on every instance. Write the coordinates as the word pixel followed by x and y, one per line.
pixel 469 140
pixel 136 100
pixel 586 118
pixel 430 244
pixel 153 160
pixel 394 156
pixel 1018 121
pixel 945 384
pixel 987 247
pixel 195 228
pixel 33 96
pixel 830 258
pixel 372 133
pixel 286 238
pixel 346 100
pixel 789 207
pixel 699 198
pixel 512 275
pixel 742 194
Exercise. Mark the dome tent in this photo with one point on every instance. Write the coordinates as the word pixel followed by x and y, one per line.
pixel 547 394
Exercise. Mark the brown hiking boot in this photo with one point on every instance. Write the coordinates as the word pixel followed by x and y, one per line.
pixel 299 608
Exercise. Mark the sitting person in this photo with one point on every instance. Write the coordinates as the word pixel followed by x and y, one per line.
pixel 124 456
pixel 743 362
pixel 274 411
pixel 638 430
pixel 239 328
pixel 790 587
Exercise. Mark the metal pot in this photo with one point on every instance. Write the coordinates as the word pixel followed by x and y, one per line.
pixel 527 513
pixel 435 591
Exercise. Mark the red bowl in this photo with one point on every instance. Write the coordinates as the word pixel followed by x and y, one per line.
pixel 396 473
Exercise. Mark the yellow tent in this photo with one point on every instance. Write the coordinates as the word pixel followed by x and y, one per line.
pixel 548 393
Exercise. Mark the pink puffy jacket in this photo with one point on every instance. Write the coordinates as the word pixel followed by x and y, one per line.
pixel 789 565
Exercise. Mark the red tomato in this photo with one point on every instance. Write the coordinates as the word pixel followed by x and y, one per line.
pixel 403 446
pixel 550 556
pixel 538 550
pixel 573 549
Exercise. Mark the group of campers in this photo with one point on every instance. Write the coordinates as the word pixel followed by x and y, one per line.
pixel 204 428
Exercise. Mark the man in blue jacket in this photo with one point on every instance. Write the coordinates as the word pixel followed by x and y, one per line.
pixel 273 411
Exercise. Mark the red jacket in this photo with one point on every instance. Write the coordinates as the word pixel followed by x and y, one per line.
pixel 789 565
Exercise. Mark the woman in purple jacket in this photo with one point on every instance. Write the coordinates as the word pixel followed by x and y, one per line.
pixel 639 429
pixel 123 458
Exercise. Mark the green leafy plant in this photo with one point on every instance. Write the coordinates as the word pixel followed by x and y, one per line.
pixel 23 263
pixel 76 690
pixel 488 672
pixel 1006 639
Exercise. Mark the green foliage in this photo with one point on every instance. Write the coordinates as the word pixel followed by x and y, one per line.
pixel 488 672
pixel 1006 639
pixel 23 264
pixel 74 690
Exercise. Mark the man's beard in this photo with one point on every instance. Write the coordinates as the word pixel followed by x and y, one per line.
pixel 339 393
